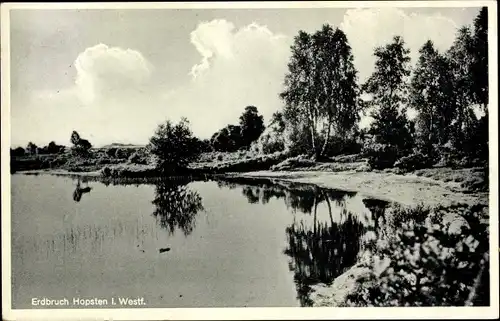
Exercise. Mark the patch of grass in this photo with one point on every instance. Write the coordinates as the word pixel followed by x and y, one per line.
pixel 470 179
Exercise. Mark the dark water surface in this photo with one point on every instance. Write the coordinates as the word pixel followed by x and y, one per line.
pixel 223 243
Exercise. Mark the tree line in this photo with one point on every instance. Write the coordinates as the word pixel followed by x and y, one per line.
pixel 323 98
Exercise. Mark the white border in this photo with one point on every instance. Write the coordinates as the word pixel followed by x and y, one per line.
pixel 247 313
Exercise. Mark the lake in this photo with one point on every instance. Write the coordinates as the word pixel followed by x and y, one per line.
pixel 181 243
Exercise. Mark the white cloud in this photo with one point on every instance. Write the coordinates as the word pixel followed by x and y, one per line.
pixel 104 72
pixel 238 67
pixel 111 100
pixel 373 27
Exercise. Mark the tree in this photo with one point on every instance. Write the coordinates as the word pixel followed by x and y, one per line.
pixel 273 138
pixel 53 148
pixel 479 65
pixel 320 87
pixel 174 146
pixel 81 146
pixel 19 151
pixel 228 139
pixel 251 124
pixel 388 86
pixel 461 58
pixel 32 148
pixel 431 94
pixel 75 138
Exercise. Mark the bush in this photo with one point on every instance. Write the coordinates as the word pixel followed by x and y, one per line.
pixel 291 163
pixel 111 152
pixel 341 145
pixel 381 156
pixel 139 157
pixel 59 161
pixel 123 153
pixel 414 161
pixel 428 265
pixel 174 146
pixel 106 171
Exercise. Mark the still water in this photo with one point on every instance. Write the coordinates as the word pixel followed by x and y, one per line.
pixel 181 243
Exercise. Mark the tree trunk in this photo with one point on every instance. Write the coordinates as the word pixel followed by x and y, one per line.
pixel 312 129
pixel 329 207
pixel 327 139
pixel 315 216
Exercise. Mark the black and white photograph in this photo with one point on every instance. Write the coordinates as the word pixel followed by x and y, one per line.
pixel 173 160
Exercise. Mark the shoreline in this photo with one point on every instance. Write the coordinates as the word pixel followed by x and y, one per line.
pixel 405 189
pixel 408 189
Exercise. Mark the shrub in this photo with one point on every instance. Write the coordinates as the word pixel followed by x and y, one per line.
pixel 106 171
pixel 291 163
pixel 414 161
pixel 381 156
pixel 174 146
pixel 111 152
pixel 428 265
pixel 139 157
pixel 59 161
pixel 123 153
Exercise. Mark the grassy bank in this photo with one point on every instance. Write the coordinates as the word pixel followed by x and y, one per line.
pixel 136 162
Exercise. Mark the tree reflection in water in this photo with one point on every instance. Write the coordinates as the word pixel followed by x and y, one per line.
pixel 176 206
pixel 79 191
pixel 323 251
pixel 377 209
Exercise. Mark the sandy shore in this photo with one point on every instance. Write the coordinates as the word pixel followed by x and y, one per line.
pixel 404 189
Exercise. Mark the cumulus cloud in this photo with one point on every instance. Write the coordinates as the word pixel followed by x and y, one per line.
pixel 111 100
pixel 237 68
pixel 373 27
pixel 104 72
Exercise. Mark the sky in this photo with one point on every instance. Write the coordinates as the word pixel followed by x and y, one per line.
pixel 114 75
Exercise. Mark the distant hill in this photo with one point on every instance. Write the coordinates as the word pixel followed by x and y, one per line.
pixel 120 145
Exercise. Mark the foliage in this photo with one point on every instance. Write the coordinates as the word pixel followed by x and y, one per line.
pixel 251 125
pixel 174 146
pixel 81 147
pixel 431 94
pixel 479 64
pixel 32 148
pixel 414 161
pixel 227 139
pixel 53 148
pixel 260 162
pixel 388 86
pixel 381 156
pixel 123 153
pixel 234 137
pixel 445 90
pixel 320 86
pixel 19 151
pixel 272 139
pixel 461 57
pixel 128 171
pixel 428 264
pixel 140 157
